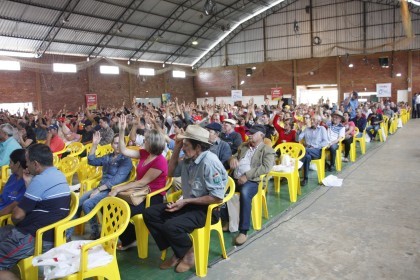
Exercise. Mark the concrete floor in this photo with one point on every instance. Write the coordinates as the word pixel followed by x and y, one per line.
pixel 367 229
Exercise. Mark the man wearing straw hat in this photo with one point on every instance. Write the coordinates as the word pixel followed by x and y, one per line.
pixel 335 132
pixel 203 180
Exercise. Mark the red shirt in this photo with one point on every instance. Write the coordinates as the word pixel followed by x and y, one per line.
pixel 283 136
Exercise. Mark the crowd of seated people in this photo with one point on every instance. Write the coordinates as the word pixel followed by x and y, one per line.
pixel 240 138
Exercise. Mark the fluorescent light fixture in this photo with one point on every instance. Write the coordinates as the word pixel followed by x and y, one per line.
pixel 147 71
pixel 269 6
pixel 104 69
pixel 64 68
pixel 194 42
pixel 254 68
pixel 17 54
pixel 398 75
pixel 351 65
pixel 242 82
pixel 178 74
pixel 9 65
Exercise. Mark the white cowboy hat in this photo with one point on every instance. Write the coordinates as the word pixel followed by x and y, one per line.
pixel 196 132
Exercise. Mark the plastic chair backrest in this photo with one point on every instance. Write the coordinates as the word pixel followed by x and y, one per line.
pixel 75 149
pixel 114 221
pixel 104 150
pixel 294 150
pixel 69 164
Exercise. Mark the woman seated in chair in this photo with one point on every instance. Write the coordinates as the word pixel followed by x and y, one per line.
pixel 151 170
pixel 15 188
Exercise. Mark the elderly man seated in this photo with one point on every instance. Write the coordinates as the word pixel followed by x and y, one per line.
pixel 253 159
pixel 219 147
pixel 7 143
pixel 316 138
pixel 336 131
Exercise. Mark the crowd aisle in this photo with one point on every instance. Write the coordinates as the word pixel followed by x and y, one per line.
pixel 367 229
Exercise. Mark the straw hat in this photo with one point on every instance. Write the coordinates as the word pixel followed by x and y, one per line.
pixel 338 113
pixel 231 121
pixel 196 132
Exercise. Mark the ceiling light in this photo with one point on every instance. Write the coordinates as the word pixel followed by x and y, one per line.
pixel 351 65
pixel 242 82
pixel 128 62
pixel 163 65
pixel 17 54
pixel 9 65
pixel 195 42
pixel 210 7
pixel 398 75
pixel 254 68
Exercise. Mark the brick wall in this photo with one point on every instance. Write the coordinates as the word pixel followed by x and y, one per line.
pixel 365 74
pixel 57 89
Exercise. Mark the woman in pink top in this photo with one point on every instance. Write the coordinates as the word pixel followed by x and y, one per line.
pixel 151 170
pixel 348 138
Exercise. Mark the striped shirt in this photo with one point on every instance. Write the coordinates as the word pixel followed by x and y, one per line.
pixel 46 201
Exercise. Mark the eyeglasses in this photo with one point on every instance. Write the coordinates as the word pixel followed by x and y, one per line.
pixel 307 117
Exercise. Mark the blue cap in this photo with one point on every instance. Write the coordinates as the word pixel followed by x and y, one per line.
pixel 214 126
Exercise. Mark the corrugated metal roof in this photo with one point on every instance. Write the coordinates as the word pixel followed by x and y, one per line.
pixel 163 30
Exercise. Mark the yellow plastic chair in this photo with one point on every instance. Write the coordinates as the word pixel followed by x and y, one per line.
pixel 259 203
pixel 352 153
pixel 115 218
pixel 142 233
pixel 56 161
pixel 59 153
pixel 201 236
pixel 27 270
pixel 296 151
pixel 5 174
pixel 320 165
pixel 104 150
pixel 362 141
pixel 69 166
pixel 168 155
pixel 75 149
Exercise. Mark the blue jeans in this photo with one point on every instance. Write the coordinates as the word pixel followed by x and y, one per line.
pixel 87 204
pixel 375 130
pixel 311 153
pixel 248 191
pixel 333 151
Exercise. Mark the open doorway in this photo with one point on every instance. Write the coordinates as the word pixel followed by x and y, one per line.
pixel 313 94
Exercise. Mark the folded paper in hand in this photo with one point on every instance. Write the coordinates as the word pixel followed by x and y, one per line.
pixel 65 259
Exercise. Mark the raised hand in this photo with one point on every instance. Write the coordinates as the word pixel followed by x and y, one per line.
pixel 96 138
pixel 122 124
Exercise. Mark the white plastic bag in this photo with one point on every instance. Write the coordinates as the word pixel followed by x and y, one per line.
pixel 332 181
pixel 233 210
pixel 65 259
pixel 400 124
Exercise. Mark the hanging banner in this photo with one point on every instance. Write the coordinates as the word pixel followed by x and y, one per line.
pixel 276 93
pixel 91 101
pixel 236 95
pixel 166 97
pixel 383 90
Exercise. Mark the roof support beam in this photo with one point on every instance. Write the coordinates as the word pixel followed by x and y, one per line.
pixel 58 23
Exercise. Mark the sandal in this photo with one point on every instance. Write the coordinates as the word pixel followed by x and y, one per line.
pixel 120 247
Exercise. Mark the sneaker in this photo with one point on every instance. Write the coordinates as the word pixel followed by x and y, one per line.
pixel 240 239
pixel 345 159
